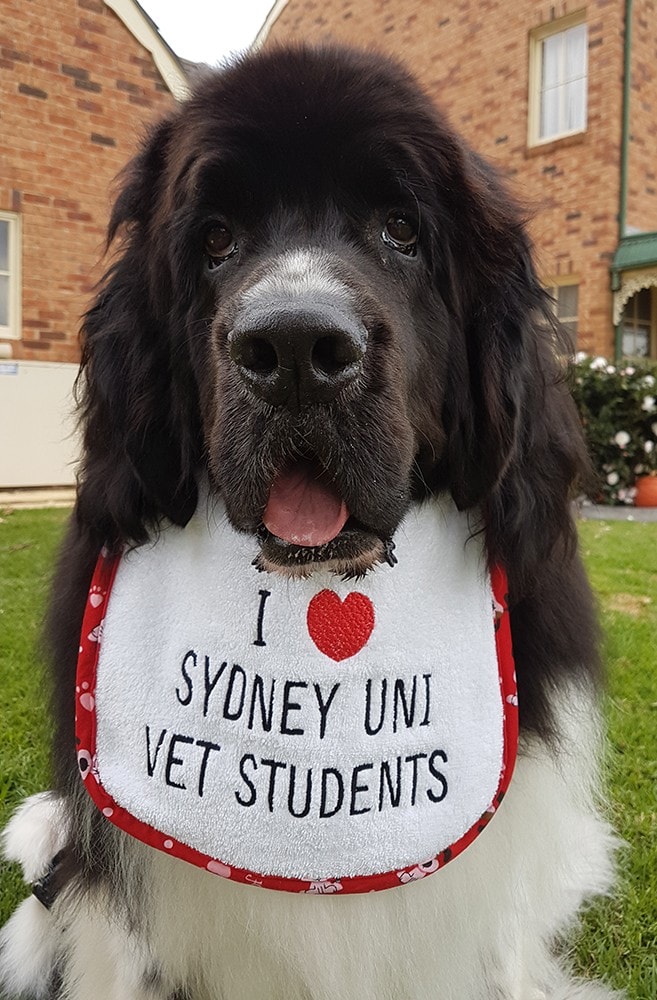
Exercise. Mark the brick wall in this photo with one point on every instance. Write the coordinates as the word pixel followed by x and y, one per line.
pixel 642 166
pixel 75 87
pixel 472 57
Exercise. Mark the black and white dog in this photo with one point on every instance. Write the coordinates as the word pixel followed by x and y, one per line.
pixel 323 187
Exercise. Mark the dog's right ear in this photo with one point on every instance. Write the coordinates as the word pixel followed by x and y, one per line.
pixel 139 406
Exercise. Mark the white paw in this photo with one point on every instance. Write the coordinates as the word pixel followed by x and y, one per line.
pixel 35 833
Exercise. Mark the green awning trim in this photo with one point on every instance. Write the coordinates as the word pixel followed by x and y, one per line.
pixel 635 251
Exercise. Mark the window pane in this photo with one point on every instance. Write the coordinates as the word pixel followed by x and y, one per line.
pixel 4 245
pixel 636 342
pixel 549 113
pixel 643 302
pixel 4 300
pixel 575 110
pixel 575 44
pixel 567 301
pixel 551 59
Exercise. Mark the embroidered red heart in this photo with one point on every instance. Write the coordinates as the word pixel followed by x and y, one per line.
pixel 338 628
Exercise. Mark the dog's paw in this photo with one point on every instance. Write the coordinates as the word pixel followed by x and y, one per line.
pixel 28 946
pixel 37 831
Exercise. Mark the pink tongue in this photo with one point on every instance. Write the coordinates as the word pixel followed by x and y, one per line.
pixel 303 510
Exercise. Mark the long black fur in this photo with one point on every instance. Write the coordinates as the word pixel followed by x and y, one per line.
pixel 464 386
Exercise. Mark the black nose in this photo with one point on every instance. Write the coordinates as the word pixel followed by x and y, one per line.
pixel 296 356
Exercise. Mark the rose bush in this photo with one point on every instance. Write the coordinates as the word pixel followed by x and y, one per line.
pixel 618 409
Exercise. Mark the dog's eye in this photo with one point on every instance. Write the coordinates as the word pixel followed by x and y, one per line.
pixel 400 233
pixel 220 244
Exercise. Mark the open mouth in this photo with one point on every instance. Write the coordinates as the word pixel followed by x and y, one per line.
pixel 307 525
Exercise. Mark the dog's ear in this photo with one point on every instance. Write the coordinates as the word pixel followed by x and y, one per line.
pixel 494 298
pixel 139 409
pixel 514 443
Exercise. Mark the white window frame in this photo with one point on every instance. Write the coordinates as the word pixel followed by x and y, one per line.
pixel 552 287
pixel 536 38
pixel 13 331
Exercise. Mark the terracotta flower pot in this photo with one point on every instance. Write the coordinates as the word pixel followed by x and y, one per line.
pixel 646 491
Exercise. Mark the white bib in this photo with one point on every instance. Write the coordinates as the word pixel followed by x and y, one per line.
pixel 311 735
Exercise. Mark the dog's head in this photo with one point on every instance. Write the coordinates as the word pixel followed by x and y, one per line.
pixel 326 303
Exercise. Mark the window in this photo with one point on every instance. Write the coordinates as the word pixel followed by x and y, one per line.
pixel 565 304
pixel 638 324
pixel 9 275
pixel 558 65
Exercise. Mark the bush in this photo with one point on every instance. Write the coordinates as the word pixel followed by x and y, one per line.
pixel 618 409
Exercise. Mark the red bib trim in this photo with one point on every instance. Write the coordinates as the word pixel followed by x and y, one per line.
pixel 299 735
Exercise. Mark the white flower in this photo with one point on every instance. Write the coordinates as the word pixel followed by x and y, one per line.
pixel 648 446
pixel 610 370
pixel 638 469
pixel 628 371
pixel 580 356
pixel 613 478
pixel 648 380
pixel 598 363
pixel 622 438
pixel 648 403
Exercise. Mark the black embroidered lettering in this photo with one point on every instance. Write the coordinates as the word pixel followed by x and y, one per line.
pixel 324 706
pixel 204 762
pixel 211 683
pixel 413 759
pixel 151 762
pixel 247 781
pixel 191 656
pixel 427 699
pixel 369 729
pixel 309 789
pixel 175 761
pixel 264 594
pixel 439 776
pixel 356 788
pixel 234 713
pixel 401 699
pixel 266 715
pixel 274 766
pixel 324 810
pixel 385 780
pixel 290 706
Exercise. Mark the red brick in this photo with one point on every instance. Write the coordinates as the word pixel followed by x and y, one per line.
pixel 473 62
pixel 50 171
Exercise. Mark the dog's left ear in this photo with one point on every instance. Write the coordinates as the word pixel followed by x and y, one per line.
pixel 495 302
pixel 514 441
pixel 504 372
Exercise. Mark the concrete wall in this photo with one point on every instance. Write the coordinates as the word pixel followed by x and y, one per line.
pixel 38 440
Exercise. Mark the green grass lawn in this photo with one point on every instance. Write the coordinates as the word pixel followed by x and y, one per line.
pixel 619 936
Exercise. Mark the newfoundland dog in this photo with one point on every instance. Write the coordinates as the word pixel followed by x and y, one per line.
pixel 322 320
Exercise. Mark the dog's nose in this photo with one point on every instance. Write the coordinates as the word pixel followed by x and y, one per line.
pixel 297 356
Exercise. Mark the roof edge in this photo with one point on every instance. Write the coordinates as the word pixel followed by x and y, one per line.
pixel 272 17
pixel 143 29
